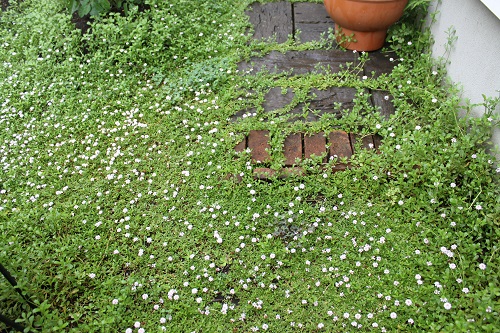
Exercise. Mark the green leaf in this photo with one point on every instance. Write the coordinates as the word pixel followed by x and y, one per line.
pixel 73 4
pixel 99 7
pixel 84 8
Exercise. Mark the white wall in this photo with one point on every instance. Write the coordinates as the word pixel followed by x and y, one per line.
pixel 475 55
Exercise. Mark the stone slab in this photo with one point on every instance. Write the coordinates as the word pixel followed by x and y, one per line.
pixel 380 63
pixel 299 62
pixel 275 99
pixel 271 20
pixel 329 100
pixel 383 100
pixel 312 20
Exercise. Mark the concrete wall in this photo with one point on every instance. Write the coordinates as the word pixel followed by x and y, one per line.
pixel 475 55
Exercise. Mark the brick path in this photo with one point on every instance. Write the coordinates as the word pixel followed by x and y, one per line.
pixel 278 20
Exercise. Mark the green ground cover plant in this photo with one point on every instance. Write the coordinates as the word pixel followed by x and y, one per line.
pixel 124 207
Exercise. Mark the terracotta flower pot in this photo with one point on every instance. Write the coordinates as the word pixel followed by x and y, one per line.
pixel 368 20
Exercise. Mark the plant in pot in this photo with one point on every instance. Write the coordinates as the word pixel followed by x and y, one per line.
pixel 362 24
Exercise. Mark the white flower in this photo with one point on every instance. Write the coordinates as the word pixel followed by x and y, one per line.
pixel 394 315
pixel 408 302
pixel 91 275
pixel 115 301
pixel 482 266
pixel 447 305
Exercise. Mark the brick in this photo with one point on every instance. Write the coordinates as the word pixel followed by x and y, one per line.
pixel 258 142
pixel 241 146
pixel 340 144
pixel 377 140
pixel 340 167
pixel 366 141
pixel 263 173
pixel 234 177
pixel 288 172
pixel 314 145
pixel 267 173
pixel 292 148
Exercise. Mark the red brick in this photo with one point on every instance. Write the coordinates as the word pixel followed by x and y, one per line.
pixel 366 141
pixel 263 173
pixel 241 146
pixel 258 142
pixel 234 177
pixel 314 145
pixel 377 140
pixel 292 148
pixel 340 144
pixel 267 173
pixel 340 167
pixel 287 172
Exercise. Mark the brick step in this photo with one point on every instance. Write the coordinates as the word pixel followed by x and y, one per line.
pixel 298 146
